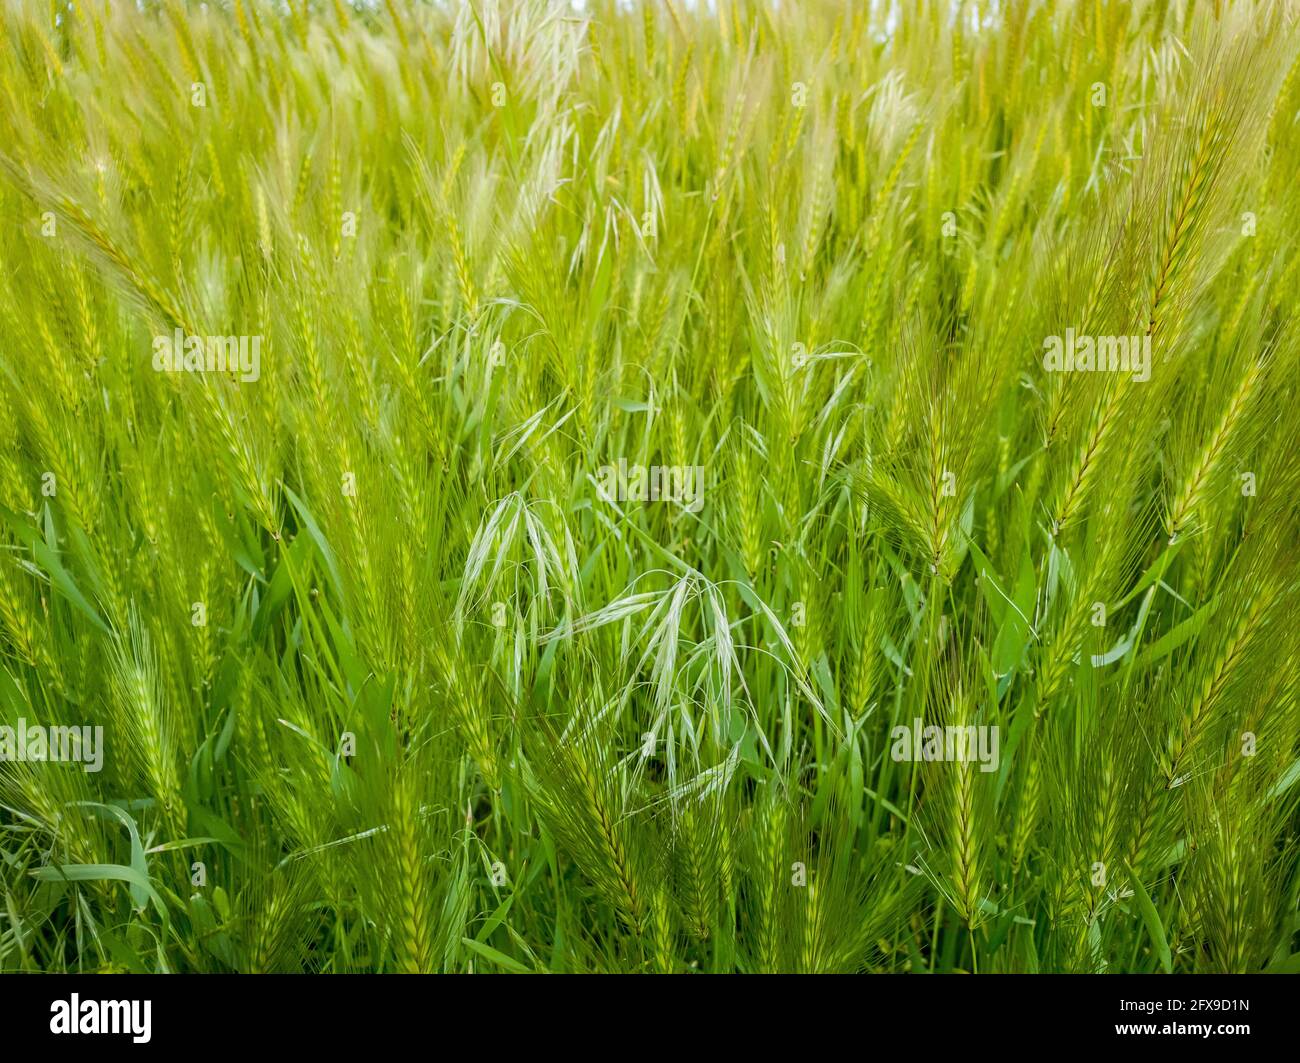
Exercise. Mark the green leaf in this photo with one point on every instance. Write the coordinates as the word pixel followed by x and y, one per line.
pixel 101 873
pixel 1152 920
pixel 317 537
pixel 48 560
pixel 138 863
pixel 1290 965
pixel 493 956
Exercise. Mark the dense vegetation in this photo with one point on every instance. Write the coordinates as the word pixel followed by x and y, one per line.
pixel 400 663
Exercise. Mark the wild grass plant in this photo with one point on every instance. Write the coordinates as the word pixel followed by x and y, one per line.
pixel 391 678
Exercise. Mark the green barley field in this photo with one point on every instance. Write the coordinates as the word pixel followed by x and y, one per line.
pixel 733 486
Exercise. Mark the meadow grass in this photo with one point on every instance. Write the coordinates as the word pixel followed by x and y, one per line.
pixel 400 662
